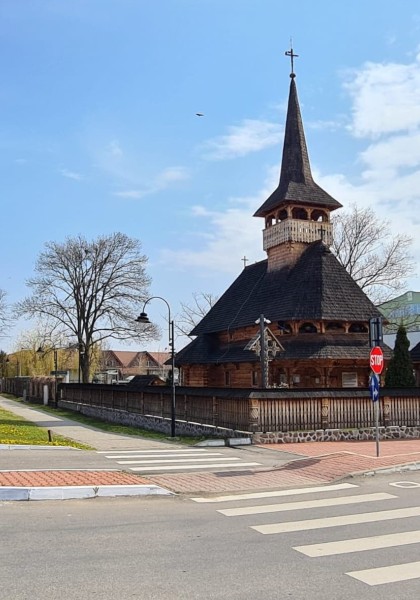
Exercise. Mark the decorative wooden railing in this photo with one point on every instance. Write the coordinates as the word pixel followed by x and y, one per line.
pixel 242 409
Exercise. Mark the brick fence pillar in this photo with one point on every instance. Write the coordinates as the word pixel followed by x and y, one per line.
pixel 254 415
pixel 325 412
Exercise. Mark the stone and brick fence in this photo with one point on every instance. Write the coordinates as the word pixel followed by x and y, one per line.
pixel 278 415
pixel 33 389
pixel 269 415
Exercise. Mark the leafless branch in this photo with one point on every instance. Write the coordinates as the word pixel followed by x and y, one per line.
pixel 191 314
pixel 377 260
pixel 92 290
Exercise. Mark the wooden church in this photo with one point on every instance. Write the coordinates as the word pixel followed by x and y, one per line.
pixel 316 318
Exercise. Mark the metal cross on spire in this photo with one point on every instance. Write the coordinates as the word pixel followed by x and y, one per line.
pixel 292 56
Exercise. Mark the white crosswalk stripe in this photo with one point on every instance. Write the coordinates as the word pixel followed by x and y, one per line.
pixel 171 450
pixel 176 459
pixel 270 508
pixel 385 515
pixel 322 550
pixel 390 574
pixel 360 544
pixel 276 493
pixel 188 467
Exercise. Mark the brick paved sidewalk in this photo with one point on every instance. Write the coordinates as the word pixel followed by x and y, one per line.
pixel 57 478
pixel 361 448
pixel 317 466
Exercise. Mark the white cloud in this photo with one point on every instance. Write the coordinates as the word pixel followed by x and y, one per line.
pixel 386 98
pixel 71 174
pixel 172 174
pixel 163 180
pixel 386 119
pixel 114 148
pixel 324 125
pixel 393 153
pixel 233 234
pixel 251 136
pixel 129 194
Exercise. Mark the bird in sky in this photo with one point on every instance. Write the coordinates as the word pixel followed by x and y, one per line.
pixel 199 114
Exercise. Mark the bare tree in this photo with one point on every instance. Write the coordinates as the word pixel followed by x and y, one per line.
pixel 91 290
pixel 4 317
pixel 191 314
pixel 378 261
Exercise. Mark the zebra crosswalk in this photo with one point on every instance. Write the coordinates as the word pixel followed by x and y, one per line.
pixel 335 498
pixel 177 459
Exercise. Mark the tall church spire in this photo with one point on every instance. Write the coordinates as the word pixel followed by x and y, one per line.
pixel 296 183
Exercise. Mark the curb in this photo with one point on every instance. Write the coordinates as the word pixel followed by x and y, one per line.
pixel 80 492
pixel 35 447
pixel 402 468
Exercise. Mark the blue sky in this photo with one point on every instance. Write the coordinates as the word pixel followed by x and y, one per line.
pixel 99 133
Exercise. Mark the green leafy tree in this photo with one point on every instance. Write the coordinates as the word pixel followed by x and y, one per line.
pixel 400 368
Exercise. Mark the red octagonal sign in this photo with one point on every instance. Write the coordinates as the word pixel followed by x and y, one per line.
pixel 376 360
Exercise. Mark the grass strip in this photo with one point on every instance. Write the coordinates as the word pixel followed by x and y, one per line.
pixel 115 428
pixel 16 430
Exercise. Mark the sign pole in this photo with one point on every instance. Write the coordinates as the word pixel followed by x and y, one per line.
pixel 377 424
pixel 376 361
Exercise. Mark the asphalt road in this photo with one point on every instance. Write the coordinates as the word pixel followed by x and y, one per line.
pixel 179 548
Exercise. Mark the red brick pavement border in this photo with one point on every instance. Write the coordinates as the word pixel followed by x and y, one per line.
pixel 68 478
pixel 365 448
pixel 305 471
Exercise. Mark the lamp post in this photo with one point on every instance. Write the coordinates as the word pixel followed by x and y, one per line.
pixel 81 350
pixel 143 318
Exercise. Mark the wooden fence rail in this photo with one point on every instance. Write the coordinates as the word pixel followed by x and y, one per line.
pixel 241 409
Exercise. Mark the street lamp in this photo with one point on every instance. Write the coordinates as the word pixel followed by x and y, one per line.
pixel 144 319
pixel 44 352
pixel 81 349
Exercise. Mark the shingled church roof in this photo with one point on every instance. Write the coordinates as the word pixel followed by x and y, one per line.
pixel 316 287
pixel 353 346
pixel 296 181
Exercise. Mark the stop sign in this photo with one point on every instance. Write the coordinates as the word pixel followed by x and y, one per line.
pixel 376 360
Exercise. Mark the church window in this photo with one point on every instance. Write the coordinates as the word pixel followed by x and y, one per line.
pixel 349 379
pixel 284 327
pixel 319 215
pixel 308 328
pixel 282 215
pixel 227 377
pixel 300 213
pixel 335 326
pixel 357 328
pixel 254 377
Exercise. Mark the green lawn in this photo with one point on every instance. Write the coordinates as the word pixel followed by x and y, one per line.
pixel 122 429
pixel 15 430
pixel 111 427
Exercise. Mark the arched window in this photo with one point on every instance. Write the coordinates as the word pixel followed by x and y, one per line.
pixel 308 328
pixel 282 215
pixel 357 328
pixel 319 215
pixel 335 326
pixel 300 213
pixel 284 327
